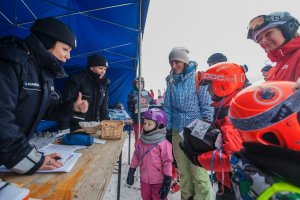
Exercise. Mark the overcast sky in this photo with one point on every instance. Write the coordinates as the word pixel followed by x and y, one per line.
pixel 204 27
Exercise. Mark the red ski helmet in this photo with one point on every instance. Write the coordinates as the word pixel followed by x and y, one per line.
pixel 268 113
pixel 225 77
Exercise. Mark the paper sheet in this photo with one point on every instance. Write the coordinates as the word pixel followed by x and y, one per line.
pixel 60 147
pixel 99 141
pixel 68 158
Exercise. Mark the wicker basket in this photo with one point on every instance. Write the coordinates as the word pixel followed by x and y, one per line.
pixel 90 127
pixel 111 129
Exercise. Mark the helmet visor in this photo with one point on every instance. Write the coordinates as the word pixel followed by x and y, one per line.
pixel 257 22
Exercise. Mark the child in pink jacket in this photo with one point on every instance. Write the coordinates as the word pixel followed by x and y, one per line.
pixel 153 154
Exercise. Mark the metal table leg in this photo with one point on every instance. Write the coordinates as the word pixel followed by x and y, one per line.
pixel 129 142
pixel 119 176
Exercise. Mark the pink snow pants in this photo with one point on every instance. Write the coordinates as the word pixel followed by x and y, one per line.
pixel 151 191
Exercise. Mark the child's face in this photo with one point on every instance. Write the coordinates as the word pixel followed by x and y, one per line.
pixel 149 125
pixel 100 70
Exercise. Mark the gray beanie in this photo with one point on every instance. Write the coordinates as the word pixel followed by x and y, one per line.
pixel 180 54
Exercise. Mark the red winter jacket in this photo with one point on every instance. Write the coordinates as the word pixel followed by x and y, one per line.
pixel 232 142
pixel 287 59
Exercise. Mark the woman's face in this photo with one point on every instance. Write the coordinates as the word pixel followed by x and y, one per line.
pixel 271 39
pixel 149 125
pixel 61 51
pixel 177 66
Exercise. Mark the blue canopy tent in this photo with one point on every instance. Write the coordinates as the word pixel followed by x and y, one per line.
pixel 111 28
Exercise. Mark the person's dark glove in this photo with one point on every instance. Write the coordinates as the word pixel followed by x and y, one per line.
pixel 130 176
pixel 165 188
pixel 189 152
pixel 169 135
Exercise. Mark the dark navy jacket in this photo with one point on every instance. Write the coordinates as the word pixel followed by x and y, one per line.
pixel 27 71
pixel 94 90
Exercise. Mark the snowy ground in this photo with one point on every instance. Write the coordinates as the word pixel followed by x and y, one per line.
pixel 126 192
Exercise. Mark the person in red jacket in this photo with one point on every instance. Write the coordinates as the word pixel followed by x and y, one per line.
pixel 277 34
pixel 225 81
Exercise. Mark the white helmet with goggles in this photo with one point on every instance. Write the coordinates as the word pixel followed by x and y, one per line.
pixel 283 20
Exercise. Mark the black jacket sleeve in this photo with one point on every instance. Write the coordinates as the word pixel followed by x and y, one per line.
pixel 15 150
pixel 69 96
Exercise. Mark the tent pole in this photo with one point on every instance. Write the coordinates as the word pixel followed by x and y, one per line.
pixel 140 66
pixel 139 75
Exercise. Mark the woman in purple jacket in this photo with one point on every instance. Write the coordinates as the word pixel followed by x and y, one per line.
pixel 153 154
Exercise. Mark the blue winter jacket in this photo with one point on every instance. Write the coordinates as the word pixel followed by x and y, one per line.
pixel 182 103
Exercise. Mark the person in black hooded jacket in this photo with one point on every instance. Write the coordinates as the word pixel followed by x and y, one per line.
pixel 93 85
pixel 28 68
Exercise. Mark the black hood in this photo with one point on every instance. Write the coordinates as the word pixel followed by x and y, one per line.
pixel 44 59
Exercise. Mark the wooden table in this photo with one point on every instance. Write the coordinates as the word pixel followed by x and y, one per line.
pixel 88 179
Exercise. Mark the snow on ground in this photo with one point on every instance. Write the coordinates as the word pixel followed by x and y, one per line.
pixel 127 193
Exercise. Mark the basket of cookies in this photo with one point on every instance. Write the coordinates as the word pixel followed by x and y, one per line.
pixel 90 127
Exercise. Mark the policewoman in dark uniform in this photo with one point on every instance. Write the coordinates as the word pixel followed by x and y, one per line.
pixel 27 70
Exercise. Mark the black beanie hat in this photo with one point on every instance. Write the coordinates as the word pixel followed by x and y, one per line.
pixel 97 60
pixel 216 58
pixel 49 29
pixel 47 41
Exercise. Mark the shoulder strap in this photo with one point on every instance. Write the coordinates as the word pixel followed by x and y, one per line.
pixel 150 148
pixel 198 81
pixel 171 85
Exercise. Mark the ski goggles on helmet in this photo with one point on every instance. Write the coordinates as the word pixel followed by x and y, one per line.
pixel 272 116
pixel 263 22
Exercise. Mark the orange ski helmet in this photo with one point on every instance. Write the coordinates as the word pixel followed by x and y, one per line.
pixel 225 77
pixel 268 113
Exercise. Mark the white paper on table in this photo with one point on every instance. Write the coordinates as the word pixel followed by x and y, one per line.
pixel 61 148
pixel 68 158
pixel 11 191
pixel 99 141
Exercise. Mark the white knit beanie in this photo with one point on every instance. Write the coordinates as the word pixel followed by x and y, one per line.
pixel 179 54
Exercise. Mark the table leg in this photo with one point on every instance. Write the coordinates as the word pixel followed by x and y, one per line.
pixel 119 176
pixel 129 143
